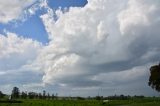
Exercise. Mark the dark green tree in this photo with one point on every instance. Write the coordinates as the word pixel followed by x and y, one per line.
pixel 44 94
pixel 154 79
pixel 40 96
pixel 32 95
pixel 1 95
pixel 24 95
pixel 52 96
pixel 15 92
pixel 48 96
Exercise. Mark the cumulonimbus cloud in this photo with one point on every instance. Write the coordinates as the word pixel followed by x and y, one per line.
pixel 105 34
pixel 91 45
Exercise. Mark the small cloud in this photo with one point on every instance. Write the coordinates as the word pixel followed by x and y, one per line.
pixel 12 10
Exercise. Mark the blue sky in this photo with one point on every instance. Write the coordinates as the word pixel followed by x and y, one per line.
pixel 67 3
pixel 33 26
pixel 102 44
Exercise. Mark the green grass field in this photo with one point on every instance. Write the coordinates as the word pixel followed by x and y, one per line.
pixel 131 102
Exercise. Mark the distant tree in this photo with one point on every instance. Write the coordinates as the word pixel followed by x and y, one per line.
pixel 36 95
pixel 40 96
pixel 44 94
pixel 15 92
pixel 80 98
pixel 89 98
pixel 99 97
pixel 48 96
pixel 32 95
pixel 24 95
pixel 140 96
pixel 56 96
pixel 154 79
pixel 53 96
pixel 1 95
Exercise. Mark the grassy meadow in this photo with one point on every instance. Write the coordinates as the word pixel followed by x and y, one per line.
pixel 131 102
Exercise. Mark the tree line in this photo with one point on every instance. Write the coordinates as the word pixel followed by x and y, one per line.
pixel 16 94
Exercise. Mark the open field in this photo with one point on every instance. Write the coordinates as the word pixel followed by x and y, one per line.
pixel 131 102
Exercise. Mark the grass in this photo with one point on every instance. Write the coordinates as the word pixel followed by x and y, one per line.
pixel 131 102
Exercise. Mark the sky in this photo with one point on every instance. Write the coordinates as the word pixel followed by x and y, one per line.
pixel 79 47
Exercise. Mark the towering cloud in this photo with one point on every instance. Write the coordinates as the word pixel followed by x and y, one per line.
pixel 104 36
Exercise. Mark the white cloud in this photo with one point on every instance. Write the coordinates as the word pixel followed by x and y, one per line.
pixel 138 13
pixel 58 67
pixel 106 36
pixel 17 48
pixel 13 9
pixel 17 55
